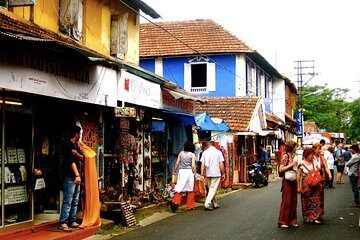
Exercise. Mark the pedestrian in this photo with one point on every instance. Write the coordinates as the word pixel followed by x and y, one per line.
pixel 310 196
pixel 340 163
pixel 287 215
pixel 263 157
pixel 353 165
pixel 72 181
pixel 321 163
pixel 185 163
pixel 328 155
pixel 212 167
pixel 347 156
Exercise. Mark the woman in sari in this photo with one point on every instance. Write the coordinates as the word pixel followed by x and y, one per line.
pixel 287 215
pixel 310 197
pixel 322 165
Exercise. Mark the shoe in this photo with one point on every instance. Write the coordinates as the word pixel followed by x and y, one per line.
pixel 355 205
pixel 283 226
pixel 317 222
pixel 295 225
pixel 65 228
pixel 209 207
pixel 190 209
pixel 76 225
pixel 216 206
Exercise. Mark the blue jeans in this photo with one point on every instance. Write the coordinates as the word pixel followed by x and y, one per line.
pixel 354 187
pixel 70 202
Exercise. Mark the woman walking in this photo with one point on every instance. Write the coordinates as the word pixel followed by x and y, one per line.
pixel 310 195
pixel 185 179
pixel 328 155
pixel 319 160
pixel 287 215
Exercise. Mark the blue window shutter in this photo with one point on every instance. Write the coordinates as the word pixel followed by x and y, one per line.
pixel 211 77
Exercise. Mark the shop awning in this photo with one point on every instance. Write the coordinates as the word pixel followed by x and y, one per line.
pixel 181 117
pixel 204 121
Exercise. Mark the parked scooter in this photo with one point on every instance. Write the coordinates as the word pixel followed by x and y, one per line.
pixel 256 175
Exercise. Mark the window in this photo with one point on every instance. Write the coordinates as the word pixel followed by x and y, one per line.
pixel 250 79
pixel 71 15
pixel 119 35
pixel 199 77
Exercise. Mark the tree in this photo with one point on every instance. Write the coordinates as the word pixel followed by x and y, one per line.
pixel 354 122
pixel 328 109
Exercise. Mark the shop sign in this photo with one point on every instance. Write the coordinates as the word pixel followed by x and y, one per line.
pixel 136 90
pixel 168 102
pixel 39 74
pixel 125 112
pixel 299 124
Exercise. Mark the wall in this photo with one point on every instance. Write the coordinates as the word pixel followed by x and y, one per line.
pixel 279 98
pixel 46 13
pixel 173 69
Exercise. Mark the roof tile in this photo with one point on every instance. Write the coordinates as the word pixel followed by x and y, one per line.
pixel 187 38
pixel 235 111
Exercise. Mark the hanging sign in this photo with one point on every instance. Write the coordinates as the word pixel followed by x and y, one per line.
pixel 125 112
pixel 299 124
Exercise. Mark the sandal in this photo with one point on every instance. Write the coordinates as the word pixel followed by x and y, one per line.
pixel 283 226
pixel 65 229
pixel 76 225
pixel 317 222
pixel 295 225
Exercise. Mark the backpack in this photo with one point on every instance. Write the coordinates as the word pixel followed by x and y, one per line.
pixel 314 177
pixel 282 174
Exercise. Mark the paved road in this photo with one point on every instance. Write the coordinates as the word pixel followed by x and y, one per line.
pixel 252 214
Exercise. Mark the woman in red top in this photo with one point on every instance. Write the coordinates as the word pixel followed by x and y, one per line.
pixel 287 215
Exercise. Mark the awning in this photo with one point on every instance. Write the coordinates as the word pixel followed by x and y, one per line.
pixel 185 118
pixel 188 96
pixel 205 123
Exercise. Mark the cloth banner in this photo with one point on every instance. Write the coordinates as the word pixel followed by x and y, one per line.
pixel 92 198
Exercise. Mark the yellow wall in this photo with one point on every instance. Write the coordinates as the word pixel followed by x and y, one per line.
pixel 45 13
pixel 96 23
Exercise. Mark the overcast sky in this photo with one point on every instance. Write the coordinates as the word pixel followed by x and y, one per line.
pixel 284 31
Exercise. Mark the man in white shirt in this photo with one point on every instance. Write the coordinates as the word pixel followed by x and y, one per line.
pixel 212 167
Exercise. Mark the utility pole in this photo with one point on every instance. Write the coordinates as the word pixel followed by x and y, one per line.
pixel 303 68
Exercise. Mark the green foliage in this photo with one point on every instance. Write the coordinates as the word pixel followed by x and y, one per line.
pixel 354 123
pixel 328 109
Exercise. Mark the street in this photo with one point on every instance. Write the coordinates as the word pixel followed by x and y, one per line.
pixel 253 214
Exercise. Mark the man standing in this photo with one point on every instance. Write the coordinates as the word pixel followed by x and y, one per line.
pixel 353 165
pixel 212 166
pixel 72 181
pixel 340 163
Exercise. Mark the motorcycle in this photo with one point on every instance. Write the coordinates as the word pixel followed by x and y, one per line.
pixel 256 175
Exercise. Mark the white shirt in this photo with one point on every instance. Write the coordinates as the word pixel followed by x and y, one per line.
pixel 211 158
pixel 329 159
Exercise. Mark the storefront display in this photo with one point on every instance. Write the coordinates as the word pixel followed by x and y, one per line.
pixel 15 199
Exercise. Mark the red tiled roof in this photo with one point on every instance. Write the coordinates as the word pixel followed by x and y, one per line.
pixel 235 111
pixel 187 38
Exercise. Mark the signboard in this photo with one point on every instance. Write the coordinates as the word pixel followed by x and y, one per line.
pixel 136 90
pixel 14 3
pixel 125 112
pixel 35 72
pixel 299 124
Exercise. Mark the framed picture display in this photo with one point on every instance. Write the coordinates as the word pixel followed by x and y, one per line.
pixel 11 155
pixel 21 155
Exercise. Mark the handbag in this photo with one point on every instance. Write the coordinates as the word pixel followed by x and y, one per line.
pixel 39 180
pixel 314 178
pixel 290 175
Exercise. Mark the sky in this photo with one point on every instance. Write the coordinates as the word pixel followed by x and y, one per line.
pixel 285 31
